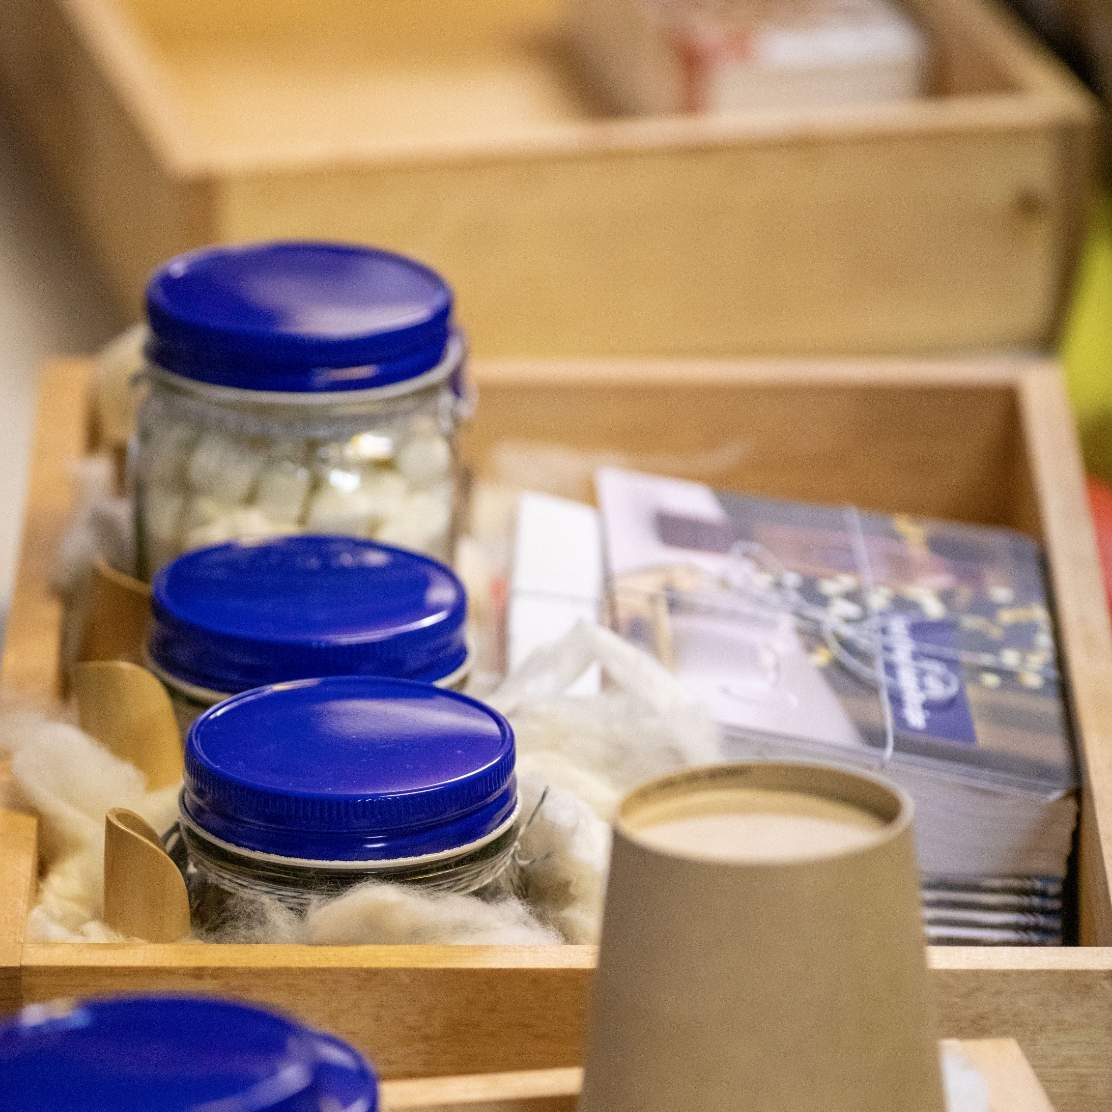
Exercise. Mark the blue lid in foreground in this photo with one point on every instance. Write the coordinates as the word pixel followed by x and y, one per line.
pixel 175 1054
pixel 297 317
pixel 349 769
pixel 246 614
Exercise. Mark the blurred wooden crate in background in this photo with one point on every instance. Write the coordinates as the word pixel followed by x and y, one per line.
pixel 459 131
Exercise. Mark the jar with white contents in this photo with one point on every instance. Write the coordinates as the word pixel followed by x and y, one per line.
pixel 297 387
pixel 304 790
pixel 175 1054
pixel 250 613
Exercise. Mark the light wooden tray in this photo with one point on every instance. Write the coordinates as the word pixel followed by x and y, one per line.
pixel 986 442
pixel 459 131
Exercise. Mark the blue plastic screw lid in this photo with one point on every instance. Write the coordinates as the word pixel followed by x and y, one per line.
pixel 246 614
pixel 297 317
pixel 175 1054
pixel 350 769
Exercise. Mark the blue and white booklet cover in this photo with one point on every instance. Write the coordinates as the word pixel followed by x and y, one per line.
pixel 924 649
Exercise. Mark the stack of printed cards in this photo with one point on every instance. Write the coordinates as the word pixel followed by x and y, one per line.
pixel 924 649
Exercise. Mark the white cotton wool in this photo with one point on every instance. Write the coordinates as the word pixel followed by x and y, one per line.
pixel 42 926
pixel 599 747
pixel 71 782
pixel 377 913
pixel 100 527
pixel 67 778
pixel 564 853
pixel 71 895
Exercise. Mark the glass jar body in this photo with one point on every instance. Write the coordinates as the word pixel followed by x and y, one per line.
pixel 223 882
pixel 211 464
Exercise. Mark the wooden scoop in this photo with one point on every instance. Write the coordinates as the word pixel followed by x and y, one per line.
pixel 144 892
pixel 119 608
pixel 128 711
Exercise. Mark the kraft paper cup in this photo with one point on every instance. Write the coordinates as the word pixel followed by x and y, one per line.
pixel 762 949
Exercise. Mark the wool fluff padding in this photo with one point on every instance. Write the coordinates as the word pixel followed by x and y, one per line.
pixel 577 756
pixel 70 782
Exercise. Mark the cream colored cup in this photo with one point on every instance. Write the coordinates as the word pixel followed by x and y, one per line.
pixel 762 949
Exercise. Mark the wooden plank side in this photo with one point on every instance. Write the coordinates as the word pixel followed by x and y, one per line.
pixel 1013 1086
pixel 415 1011
pixel 819 244
pixel 430 1011
pixel 1056 1003
pixel 856 230
pixel 18 864
pixel 1083 627
pixel 833 432
pixel 32 637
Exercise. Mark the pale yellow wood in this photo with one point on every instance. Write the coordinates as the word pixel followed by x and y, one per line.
pixel 524 1091
pixel 127 710
pixel 442 1010
pixel 722 232
pixel 144 892
pixel 18 864
pixel 33 627
pixel 984 441
pixel 456 129
pixel 118 612
pixel 1013 1086
pixel 1055 469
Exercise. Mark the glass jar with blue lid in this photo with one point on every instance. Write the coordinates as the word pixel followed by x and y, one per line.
pixel 297 387
pixel 305 789
pixel 175 1054
pixel 246 614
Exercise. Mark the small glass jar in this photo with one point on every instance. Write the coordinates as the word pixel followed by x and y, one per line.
pixel 175 1054
pixel 297 387
pixel 303 790
pixel 247 614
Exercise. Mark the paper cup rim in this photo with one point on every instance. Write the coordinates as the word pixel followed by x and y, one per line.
pixel 866 790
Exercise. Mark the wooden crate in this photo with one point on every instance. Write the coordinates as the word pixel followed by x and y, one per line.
pixel 985 442
pixel 460 131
